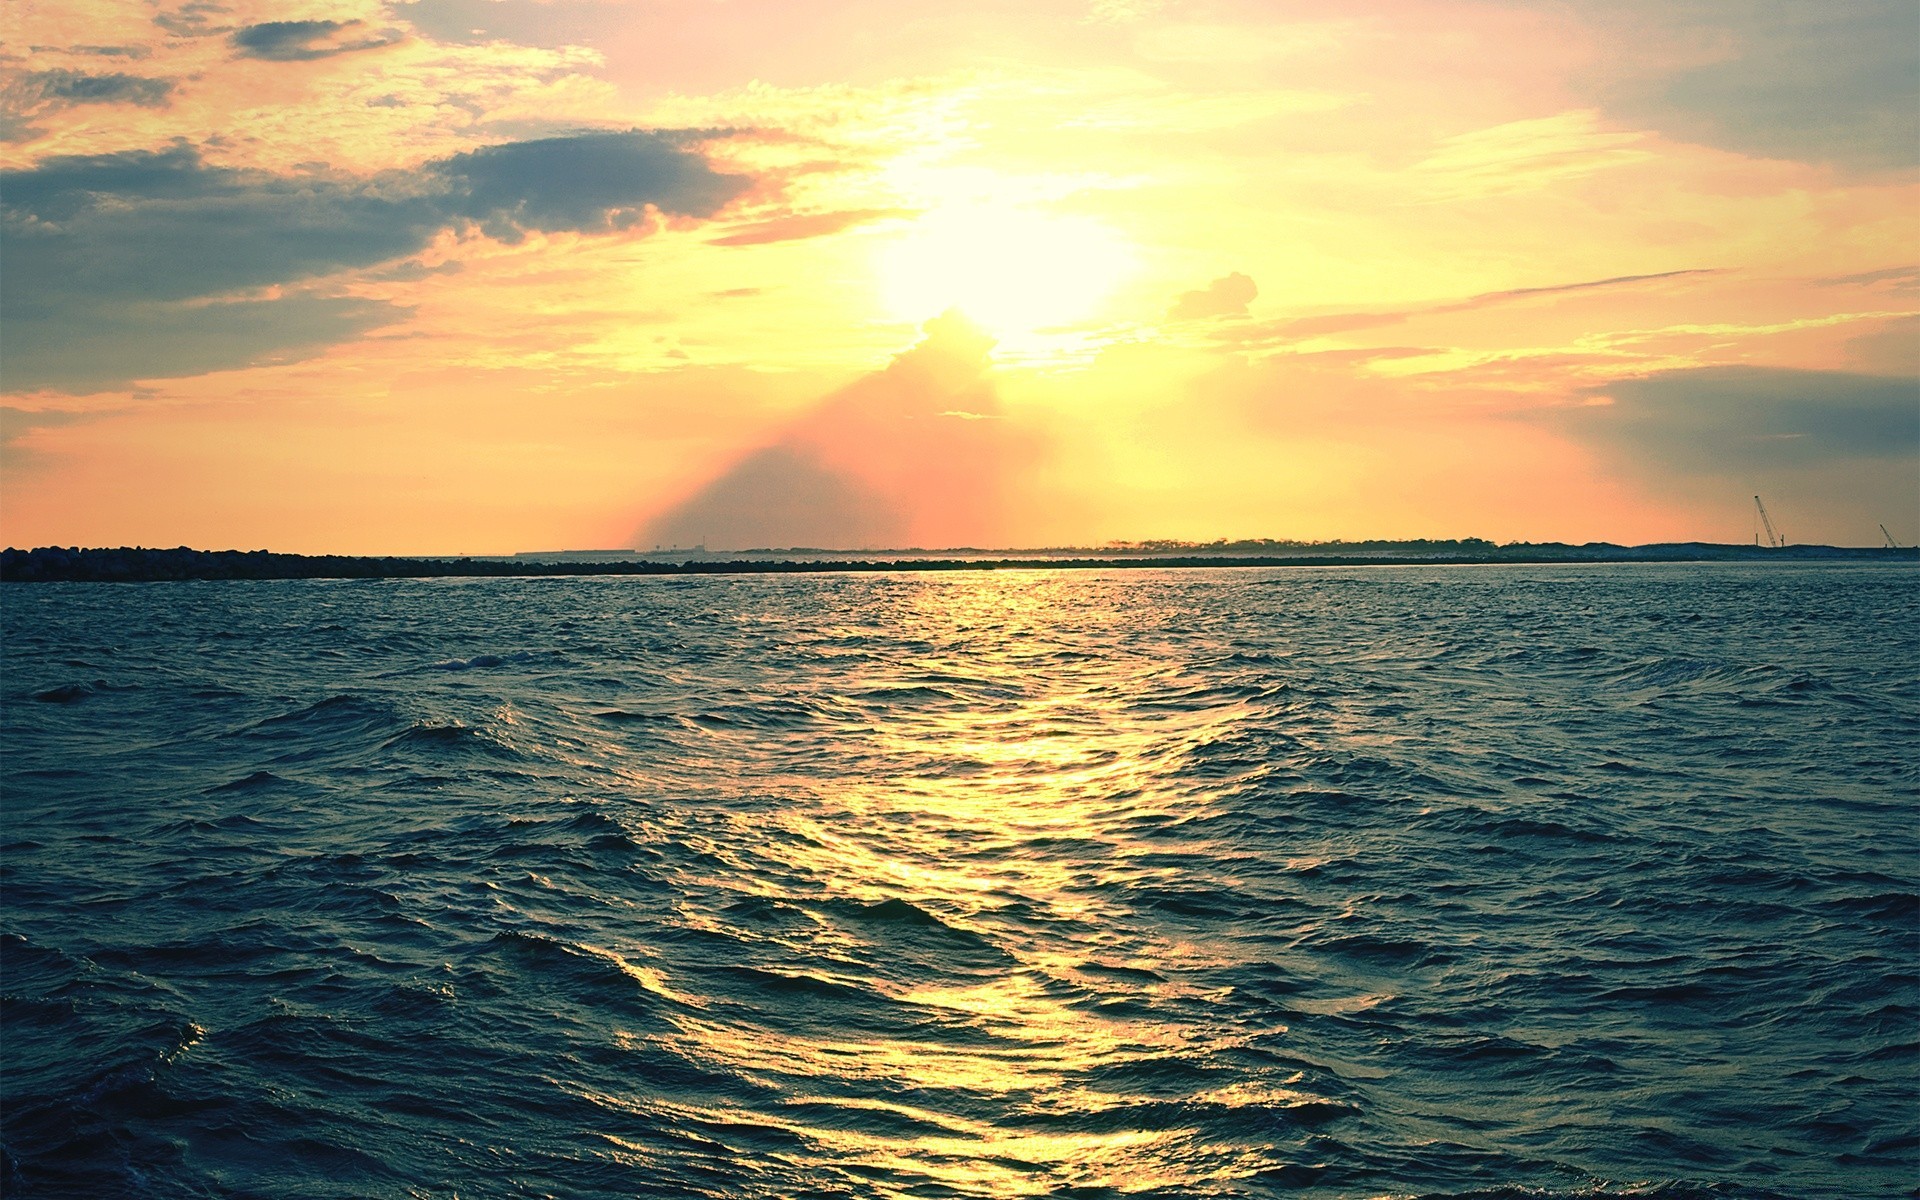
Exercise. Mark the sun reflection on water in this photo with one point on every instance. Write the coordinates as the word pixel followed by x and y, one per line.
pixel 945 905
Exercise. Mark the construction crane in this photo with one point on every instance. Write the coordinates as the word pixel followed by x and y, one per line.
pixel 1774 539
pixel 1891 544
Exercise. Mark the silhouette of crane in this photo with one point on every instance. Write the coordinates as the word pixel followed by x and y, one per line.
pixel 1891 544
pixel 1774 539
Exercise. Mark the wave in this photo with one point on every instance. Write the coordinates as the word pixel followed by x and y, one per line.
pixel 336 714
pixel 256 781
pixel 68 693
pixel 452 738
pixel 1433 883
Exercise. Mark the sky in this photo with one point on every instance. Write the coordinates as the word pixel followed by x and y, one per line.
pixel 485 276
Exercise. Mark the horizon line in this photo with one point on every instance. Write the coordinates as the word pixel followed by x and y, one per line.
pixel 1116 548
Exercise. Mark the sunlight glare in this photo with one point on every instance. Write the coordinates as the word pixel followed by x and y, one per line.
pixel 1013 271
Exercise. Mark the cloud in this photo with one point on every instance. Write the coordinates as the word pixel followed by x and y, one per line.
pixel 1524 155
pixel 1300 328
pixel 1227 296
pixel 16 424
pixel 1588 285
pixel 77 87
pixel 587 182
pixel 304 41
pixel 119 343
pixel 1311 327
pixel 1824 83
pixel 1904 280
pixel 27 98
pixel 1720 420
pixel 194 19
pixel 902 457
pixel 808 225
pixel 98 246
pixel 18 427
pixel 1892 349
pixel 92 51
pixel 1833 452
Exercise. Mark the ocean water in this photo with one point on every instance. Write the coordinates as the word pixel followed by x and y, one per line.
pixel 1494 882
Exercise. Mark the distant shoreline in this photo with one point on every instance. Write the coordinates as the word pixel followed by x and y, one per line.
pixel 53 564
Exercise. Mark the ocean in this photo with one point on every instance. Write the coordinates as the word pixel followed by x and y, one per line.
pixel 1500 882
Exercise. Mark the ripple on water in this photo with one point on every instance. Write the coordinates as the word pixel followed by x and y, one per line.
pixel 1492 883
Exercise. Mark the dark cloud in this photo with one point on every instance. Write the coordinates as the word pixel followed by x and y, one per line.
pixel 99 246
pixel 1827 83
pixel 304 41
pixel 901 457
pixel 119 343
pixel 1834 453
pixel 1227 296
pixel 1732 420
pixel 1892 349
pixel 589 182
pixel 75 87
pixel 87 233
pixel 807 225
pixel 28 97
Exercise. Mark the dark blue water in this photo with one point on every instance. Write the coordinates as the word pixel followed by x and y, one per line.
pixel 1496 882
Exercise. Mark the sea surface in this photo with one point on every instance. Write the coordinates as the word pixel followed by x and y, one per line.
pixel 1499 882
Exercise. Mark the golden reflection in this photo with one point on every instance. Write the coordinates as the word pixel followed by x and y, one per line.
pixel 996 783
pixel 967 1156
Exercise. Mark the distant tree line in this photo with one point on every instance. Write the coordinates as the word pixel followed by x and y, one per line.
pixel 48 564
pixel 1268 546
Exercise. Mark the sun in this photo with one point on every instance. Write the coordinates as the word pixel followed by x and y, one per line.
pixel 1014 271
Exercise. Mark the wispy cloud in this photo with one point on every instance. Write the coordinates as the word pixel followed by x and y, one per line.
pixel 808 225
pixel 193 19
pixel 1522 155
pixel 1302 328
pixel 20 428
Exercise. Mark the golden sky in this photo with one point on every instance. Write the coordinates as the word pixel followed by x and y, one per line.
pixel 477 276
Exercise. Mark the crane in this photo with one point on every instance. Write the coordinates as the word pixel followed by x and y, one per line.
pixel 1891 544
pixel 1774 539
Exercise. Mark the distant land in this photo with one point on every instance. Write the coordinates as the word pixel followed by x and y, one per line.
pixel 53 564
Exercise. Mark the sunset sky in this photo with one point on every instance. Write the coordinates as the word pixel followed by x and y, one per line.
pixel 478 276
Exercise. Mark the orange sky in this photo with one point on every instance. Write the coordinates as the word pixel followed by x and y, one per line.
pixel 477 276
